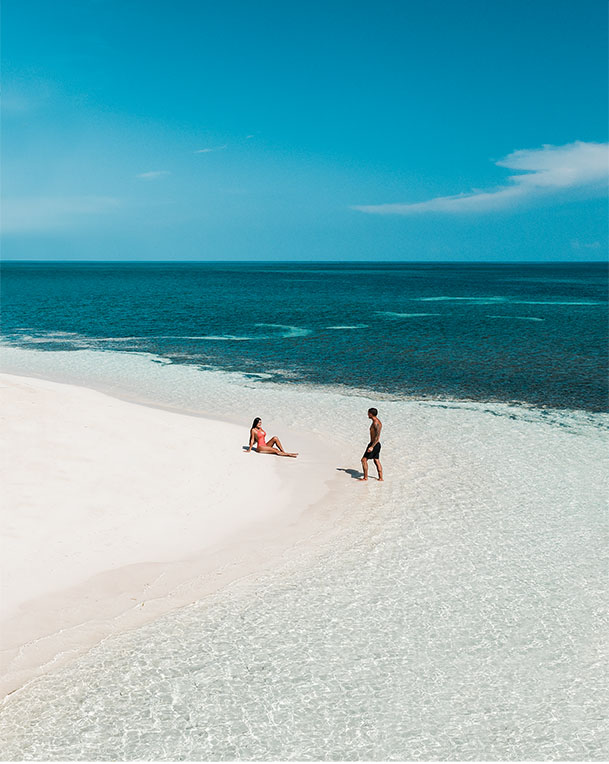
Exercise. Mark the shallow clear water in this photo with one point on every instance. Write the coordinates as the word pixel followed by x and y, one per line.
pixel 533 333
pixel 460 616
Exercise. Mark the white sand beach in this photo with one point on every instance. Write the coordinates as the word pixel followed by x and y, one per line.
pixel 474 572
pixel 114 512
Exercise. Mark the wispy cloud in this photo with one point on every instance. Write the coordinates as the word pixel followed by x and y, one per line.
pixel 24 97
pixel 547 170
pixel 39 214
pixel 211 148
pixel 153 174
pixel 15 103
pixel 577 244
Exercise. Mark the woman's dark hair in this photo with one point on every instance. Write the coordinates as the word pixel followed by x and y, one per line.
pixel 256 420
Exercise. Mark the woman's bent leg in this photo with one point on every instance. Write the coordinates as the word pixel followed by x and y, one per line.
pixel 274 446
pixel 268 450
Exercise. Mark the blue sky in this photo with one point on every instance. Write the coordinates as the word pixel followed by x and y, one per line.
pixel 328 130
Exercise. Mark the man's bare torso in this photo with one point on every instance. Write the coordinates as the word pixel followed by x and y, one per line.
pixel 375 431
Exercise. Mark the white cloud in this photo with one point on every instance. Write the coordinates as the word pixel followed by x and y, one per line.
pixel 25 96
pixel 547 170
pixel 15 103
pixel 213 148
pixel 153 174
pixel 576 244
pixel 42 213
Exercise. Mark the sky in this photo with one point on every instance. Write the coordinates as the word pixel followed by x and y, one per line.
pixel 442 130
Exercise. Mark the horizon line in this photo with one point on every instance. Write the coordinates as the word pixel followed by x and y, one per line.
pixel 316 262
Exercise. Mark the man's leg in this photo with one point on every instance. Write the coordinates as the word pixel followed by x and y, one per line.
pixel 365 469
pixel 379 469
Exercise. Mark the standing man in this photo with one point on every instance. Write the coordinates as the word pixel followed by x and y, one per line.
pixel 373 450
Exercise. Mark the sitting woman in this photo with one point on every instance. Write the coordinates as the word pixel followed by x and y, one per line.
pixel 257 434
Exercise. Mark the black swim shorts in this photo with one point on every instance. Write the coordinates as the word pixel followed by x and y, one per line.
pixel 374 454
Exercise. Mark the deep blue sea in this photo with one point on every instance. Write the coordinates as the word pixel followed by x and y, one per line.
pixel 532 333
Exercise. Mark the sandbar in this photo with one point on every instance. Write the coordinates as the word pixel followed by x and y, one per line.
pixel 113 513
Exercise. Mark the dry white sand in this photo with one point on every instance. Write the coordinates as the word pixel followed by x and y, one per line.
pixel 113 513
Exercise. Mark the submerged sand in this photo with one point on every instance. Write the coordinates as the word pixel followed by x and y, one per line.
pixel 114 512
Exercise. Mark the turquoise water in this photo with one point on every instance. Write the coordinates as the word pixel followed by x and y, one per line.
pixel 533 333
pixel 461 611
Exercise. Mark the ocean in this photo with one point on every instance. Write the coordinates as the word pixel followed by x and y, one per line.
pixel 461 613
pixel 532 334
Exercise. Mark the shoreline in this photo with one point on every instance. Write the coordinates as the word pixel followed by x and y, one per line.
pixel 113 564
pixel 116 390
pixel 474 558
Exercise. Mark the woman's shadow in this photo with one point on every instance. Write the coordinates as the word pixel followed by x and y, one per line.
pixel 355 474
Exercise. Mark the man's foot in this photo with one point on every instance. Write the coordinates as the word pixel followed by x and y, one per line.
pixel 380 480
pixel 362 479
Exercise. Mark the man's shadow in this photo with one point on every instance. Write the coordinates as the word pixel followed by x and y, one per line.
pixel 355 474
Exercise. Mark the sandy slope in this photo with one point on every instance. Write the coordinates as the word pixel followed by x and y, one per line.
pixel 113 513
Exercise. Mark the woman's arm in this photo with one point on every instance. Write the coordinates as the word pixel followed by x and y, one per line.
pixel 252 438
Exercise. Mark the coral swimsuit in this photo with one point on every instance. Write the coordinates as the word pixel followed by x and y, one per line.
pixel 260 434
